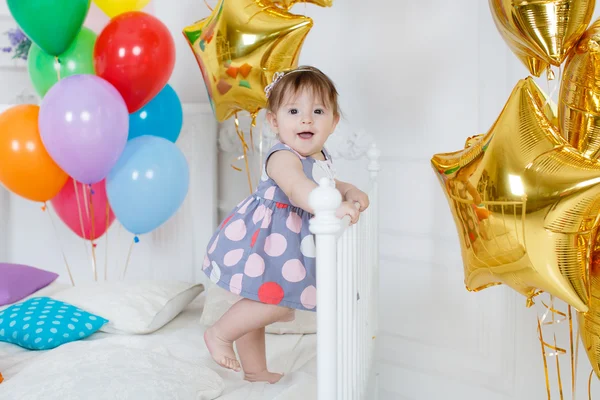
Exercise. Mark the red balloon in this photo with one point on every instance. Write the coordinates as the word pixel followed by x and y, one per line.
pixel 135 52
pixel 68 209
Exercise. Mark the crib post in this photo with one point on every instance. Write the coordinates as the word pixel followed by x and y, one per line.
pixel 325 200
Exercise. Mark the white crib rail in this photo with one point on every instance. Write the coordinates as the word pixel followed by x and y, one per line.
pixel 347 277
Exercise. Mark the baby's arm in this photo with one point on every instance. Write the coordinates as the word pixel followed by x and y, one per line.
pixel 286 170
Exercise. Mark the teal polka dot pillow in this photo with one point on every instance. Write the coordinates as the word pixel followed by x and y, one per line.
pixel 43 323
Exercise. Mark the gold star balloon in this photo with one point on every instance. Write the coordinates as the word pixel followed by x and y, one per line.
pixel 525 203
pixel 240 47
pixel 287 4
pixel 579 101
pixel 541 32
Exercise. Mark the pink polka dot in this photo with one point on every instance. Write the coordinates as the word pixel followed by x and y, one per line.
pixel 214 245
pixel 294 222
pixel 206 263
pixel 255 266
pixel 267 221
pixel 259 213
pixel 236 230
pixel 275 244
pixel 235 284
pixel 233 257
pixel 243 208
pixel 308 298
pixel 270 193
pixel 293 271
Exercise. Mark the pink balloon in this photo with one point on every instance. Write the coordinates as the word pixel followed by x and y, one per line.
pixel 75 214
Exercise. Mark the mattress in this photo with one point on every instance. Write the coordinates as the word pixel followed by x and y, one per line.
pixel 171 363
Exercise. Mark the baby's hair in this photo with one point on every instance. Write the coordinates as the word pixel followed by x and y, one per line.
pixel 297 80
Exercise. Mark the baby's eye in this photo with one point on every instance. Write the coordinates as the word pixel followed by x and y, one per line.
pixel 293 111
pixel 319 111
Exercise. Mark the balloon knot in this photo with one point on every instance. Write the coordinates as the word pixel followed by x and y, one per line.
pixel 94 244
pixel 43 208
pixel 93 192
pixel 136 239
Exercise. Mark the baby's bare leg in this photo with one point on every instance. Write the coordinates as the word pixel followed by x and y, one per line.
pixel 243 317
pixel 251 348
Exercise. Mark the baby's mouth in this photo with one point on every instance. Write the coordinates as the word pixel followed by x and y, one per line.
pixel 306 135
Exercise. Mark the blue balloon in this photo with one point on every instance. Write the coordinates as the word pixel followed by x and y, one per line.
pixel 162 117
pixel 148 184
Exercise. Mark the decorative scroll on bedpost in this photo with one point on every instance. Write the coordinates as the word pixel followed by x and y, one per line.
pixel 325 226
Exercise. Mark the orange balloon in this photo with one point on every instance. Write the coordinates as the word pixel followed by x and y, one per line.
pixel 26 168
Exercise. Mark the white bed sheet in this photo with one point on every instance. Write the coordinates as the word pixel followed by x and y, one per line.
pixel 182 342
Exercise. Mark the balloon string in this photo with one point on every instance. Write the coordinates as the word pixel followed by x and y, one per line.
pixel 549 317
pixel 85 201
pixel 106 249
pixel 60 244
pixel 544 358
pixel 590 385
pixel 57 67
pixel 128 257
pixel 209 7
pixel 260 146
pixel 93 235
pixel 573 364
pixel 87 254
pixel 245 150
pixel 560 388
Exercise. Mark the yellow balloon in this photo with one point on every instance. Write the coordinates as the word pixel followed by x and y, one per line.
pixel 287 4
pixel 579 100
pixel 541 32
pixel 240 47
pixel 116 7
pixel 525 203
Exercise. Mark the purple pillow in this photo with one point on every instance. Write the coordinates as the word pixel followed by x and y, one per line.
pixel 19 281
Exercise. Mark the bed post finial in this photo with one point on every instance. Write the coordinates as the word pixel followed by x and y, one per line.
pixel 324 201
pixel 373 156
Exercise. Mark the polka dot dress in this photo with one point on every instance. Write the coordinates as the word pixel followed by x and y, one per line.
pixel 264 250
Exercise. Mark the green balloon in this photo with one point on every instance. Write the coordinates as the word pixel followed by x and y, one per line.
pixel 45 70
pixel 51 24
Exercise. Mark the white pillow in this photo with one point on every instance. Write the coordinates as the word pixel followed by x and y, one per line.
pixel 219 300
pixel 105 371
pixel 132 308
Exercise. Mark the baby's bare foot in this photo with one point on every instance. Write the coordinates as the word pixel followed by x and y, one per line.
pixel 221 350
pixel 264 376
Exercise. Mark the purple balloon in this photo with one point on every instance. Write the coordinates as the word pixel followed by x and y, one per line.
pixel 84 123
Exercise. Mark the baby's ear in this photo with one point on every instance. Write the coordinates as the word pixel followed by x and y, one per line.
pixel 272 119
pixel 336 119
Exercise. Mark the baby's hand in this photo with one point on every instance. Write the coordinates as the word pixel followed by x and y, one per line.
pixel 355 195
pixel 350 209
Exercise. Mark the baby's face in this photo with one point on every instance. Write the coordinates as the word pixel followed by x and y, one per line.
pixel 304 123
